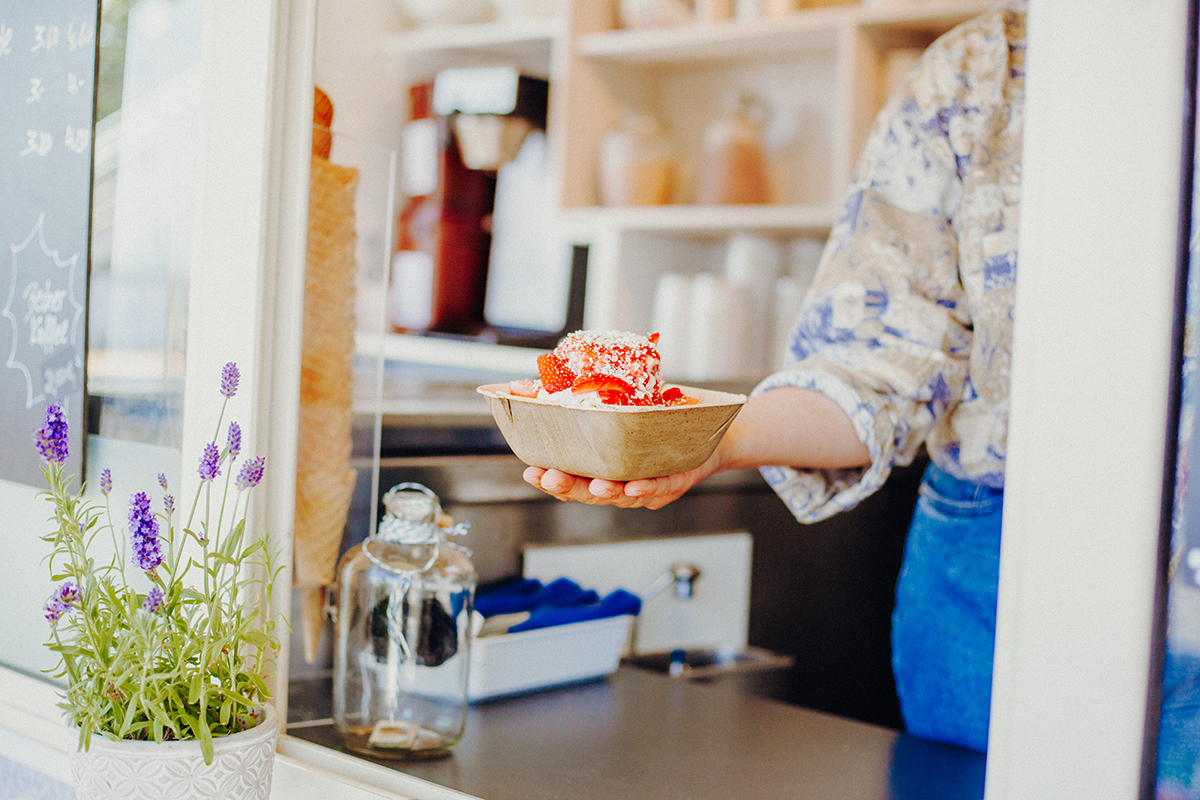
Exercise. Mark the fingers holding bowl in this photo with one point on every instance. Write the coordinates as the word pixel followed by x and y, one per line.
pixel 566 486
pixel 642 493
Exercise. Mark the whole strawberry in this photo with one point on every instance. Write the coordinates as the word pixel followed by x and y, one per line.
pixel 554 372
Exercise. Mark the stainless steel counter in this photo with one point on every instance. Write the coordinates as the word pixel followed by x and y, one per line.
pixel 641 735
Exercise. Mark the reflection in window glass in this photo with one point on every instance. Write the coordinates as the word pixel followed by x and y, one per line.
pixel 1178 773
pixel 147 149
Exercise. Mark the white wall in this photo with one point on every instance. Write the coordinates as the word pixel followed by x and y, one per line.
pixel 26 584
pixel 26 516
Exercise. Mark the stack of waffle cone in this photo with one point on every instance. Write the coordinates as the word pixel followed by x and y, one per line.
pixel 324 478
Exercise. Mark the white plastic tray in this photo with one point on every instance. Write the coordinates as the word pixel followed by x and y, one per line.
pixel 515 663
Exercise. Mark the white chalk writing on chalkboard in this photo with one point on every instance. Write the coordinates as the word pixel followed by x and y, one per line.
pixel 45 37
pixel 44 313
pixel 81 37
pixel 6 34
pixel 77 139
pixel 38 143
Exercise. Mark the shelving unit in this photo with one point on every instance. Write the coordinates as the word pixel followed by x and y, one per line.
pixel 524 43
pixel 819 70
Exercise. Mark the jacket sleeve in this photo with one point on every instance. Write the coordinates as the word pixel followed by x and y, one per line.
pixel 884 330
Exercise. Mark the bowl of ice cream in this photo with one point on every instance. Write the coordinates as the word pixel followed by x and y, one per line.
pixel 598 409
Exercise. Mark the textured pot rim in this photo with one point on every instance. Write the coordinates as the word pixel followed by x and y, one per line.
pixel 266 729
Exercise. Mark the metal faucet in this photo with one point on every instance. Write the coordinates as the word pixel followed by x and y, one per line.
pixel 683 576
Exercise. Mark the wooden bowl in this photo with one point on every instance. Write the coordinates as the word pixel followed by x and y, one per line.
pixel 616 443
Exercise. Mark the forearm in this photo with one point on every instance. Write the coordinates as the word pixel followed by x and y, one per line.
pixel 793 427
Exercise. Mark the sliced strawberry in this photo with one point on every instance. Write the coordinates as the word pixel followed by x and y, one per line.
pixel 653 338
pixel 524 388
pixel 555 373
pixel 603 384
pixel 616 397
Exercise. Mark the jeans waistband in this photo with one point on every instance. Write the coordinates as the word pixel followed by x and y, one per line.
pixel 951 489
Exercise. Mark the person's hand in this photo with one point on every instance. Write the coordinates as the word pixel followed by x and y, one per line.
pixel 644 493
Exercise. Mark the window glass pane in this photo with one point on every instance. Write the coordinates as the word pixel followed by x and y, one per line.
pixel 147 150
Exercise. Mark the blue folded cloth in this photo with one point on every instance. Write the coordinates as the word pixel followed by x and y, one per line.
pixel 509 598
pixel 614 604
pixel 564 592
pixel 557 603
pixel 529 593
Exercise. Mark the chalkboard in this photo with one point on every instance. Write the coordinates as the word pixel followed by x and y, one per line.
pixel 48 58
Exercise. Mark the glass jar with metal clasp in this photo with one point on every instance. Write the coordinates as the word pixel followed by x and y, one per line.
pixel 402 609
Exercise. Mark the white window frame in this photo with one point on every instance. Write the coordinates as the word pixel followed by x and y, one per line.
pixel 1091 376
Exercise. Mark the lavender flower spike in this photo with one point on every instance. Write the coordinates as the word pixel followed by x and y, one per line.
pixel 51 438
pixel 162 481
pixel 65 597
pixel 169 504
pixel 229 379
pixel 251 474
pixel 208 462
pixel 54 610
pixel 143 533
pixel 235 441
pixel 154 600
pixel 106 481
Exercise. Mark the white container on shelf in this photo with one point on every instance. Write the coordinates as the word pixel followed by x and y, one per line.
pixel 733 164
pixel 637 167
pixel 717 338
pixel 753 263
pixel 785 308
pixel 803 258
pixel 529 273
pixel 671 317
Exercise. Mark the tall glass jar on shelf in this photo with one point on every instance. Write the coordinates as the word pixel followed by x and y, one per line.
pixel 402 615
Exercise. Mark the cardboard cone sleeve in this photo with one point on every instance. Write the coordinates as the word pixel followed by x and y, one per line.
pixel 324 477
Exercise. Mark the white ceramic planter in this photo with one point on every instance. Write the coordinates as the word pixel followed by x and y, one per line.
pixel 125 770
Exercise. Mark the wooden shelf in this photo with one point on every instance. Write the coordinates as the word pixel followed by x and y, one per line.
pixel 812 33
pixel 714 221
pixel 809 33
pixel 527 43
pixel 463 354
pixel 934 16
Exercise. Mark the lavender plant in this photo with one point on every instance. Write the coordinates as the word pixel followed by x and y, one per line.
pixel 188 657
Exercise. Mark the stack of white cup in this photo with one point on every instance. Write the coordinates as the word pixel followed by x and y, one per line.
pixel 735 325
pixel 717 340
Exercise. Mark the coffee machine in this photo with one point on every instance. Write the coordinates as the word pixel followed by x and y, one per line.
pixel 465 126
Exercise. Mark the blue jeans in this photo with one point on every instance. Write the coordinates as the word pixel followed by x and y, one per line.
pixel 1178 774
pixel 944 622
pixel 944 628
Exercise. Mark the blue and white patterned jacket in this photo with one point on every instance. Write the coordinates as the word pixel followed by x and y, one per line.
pixel 908 324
